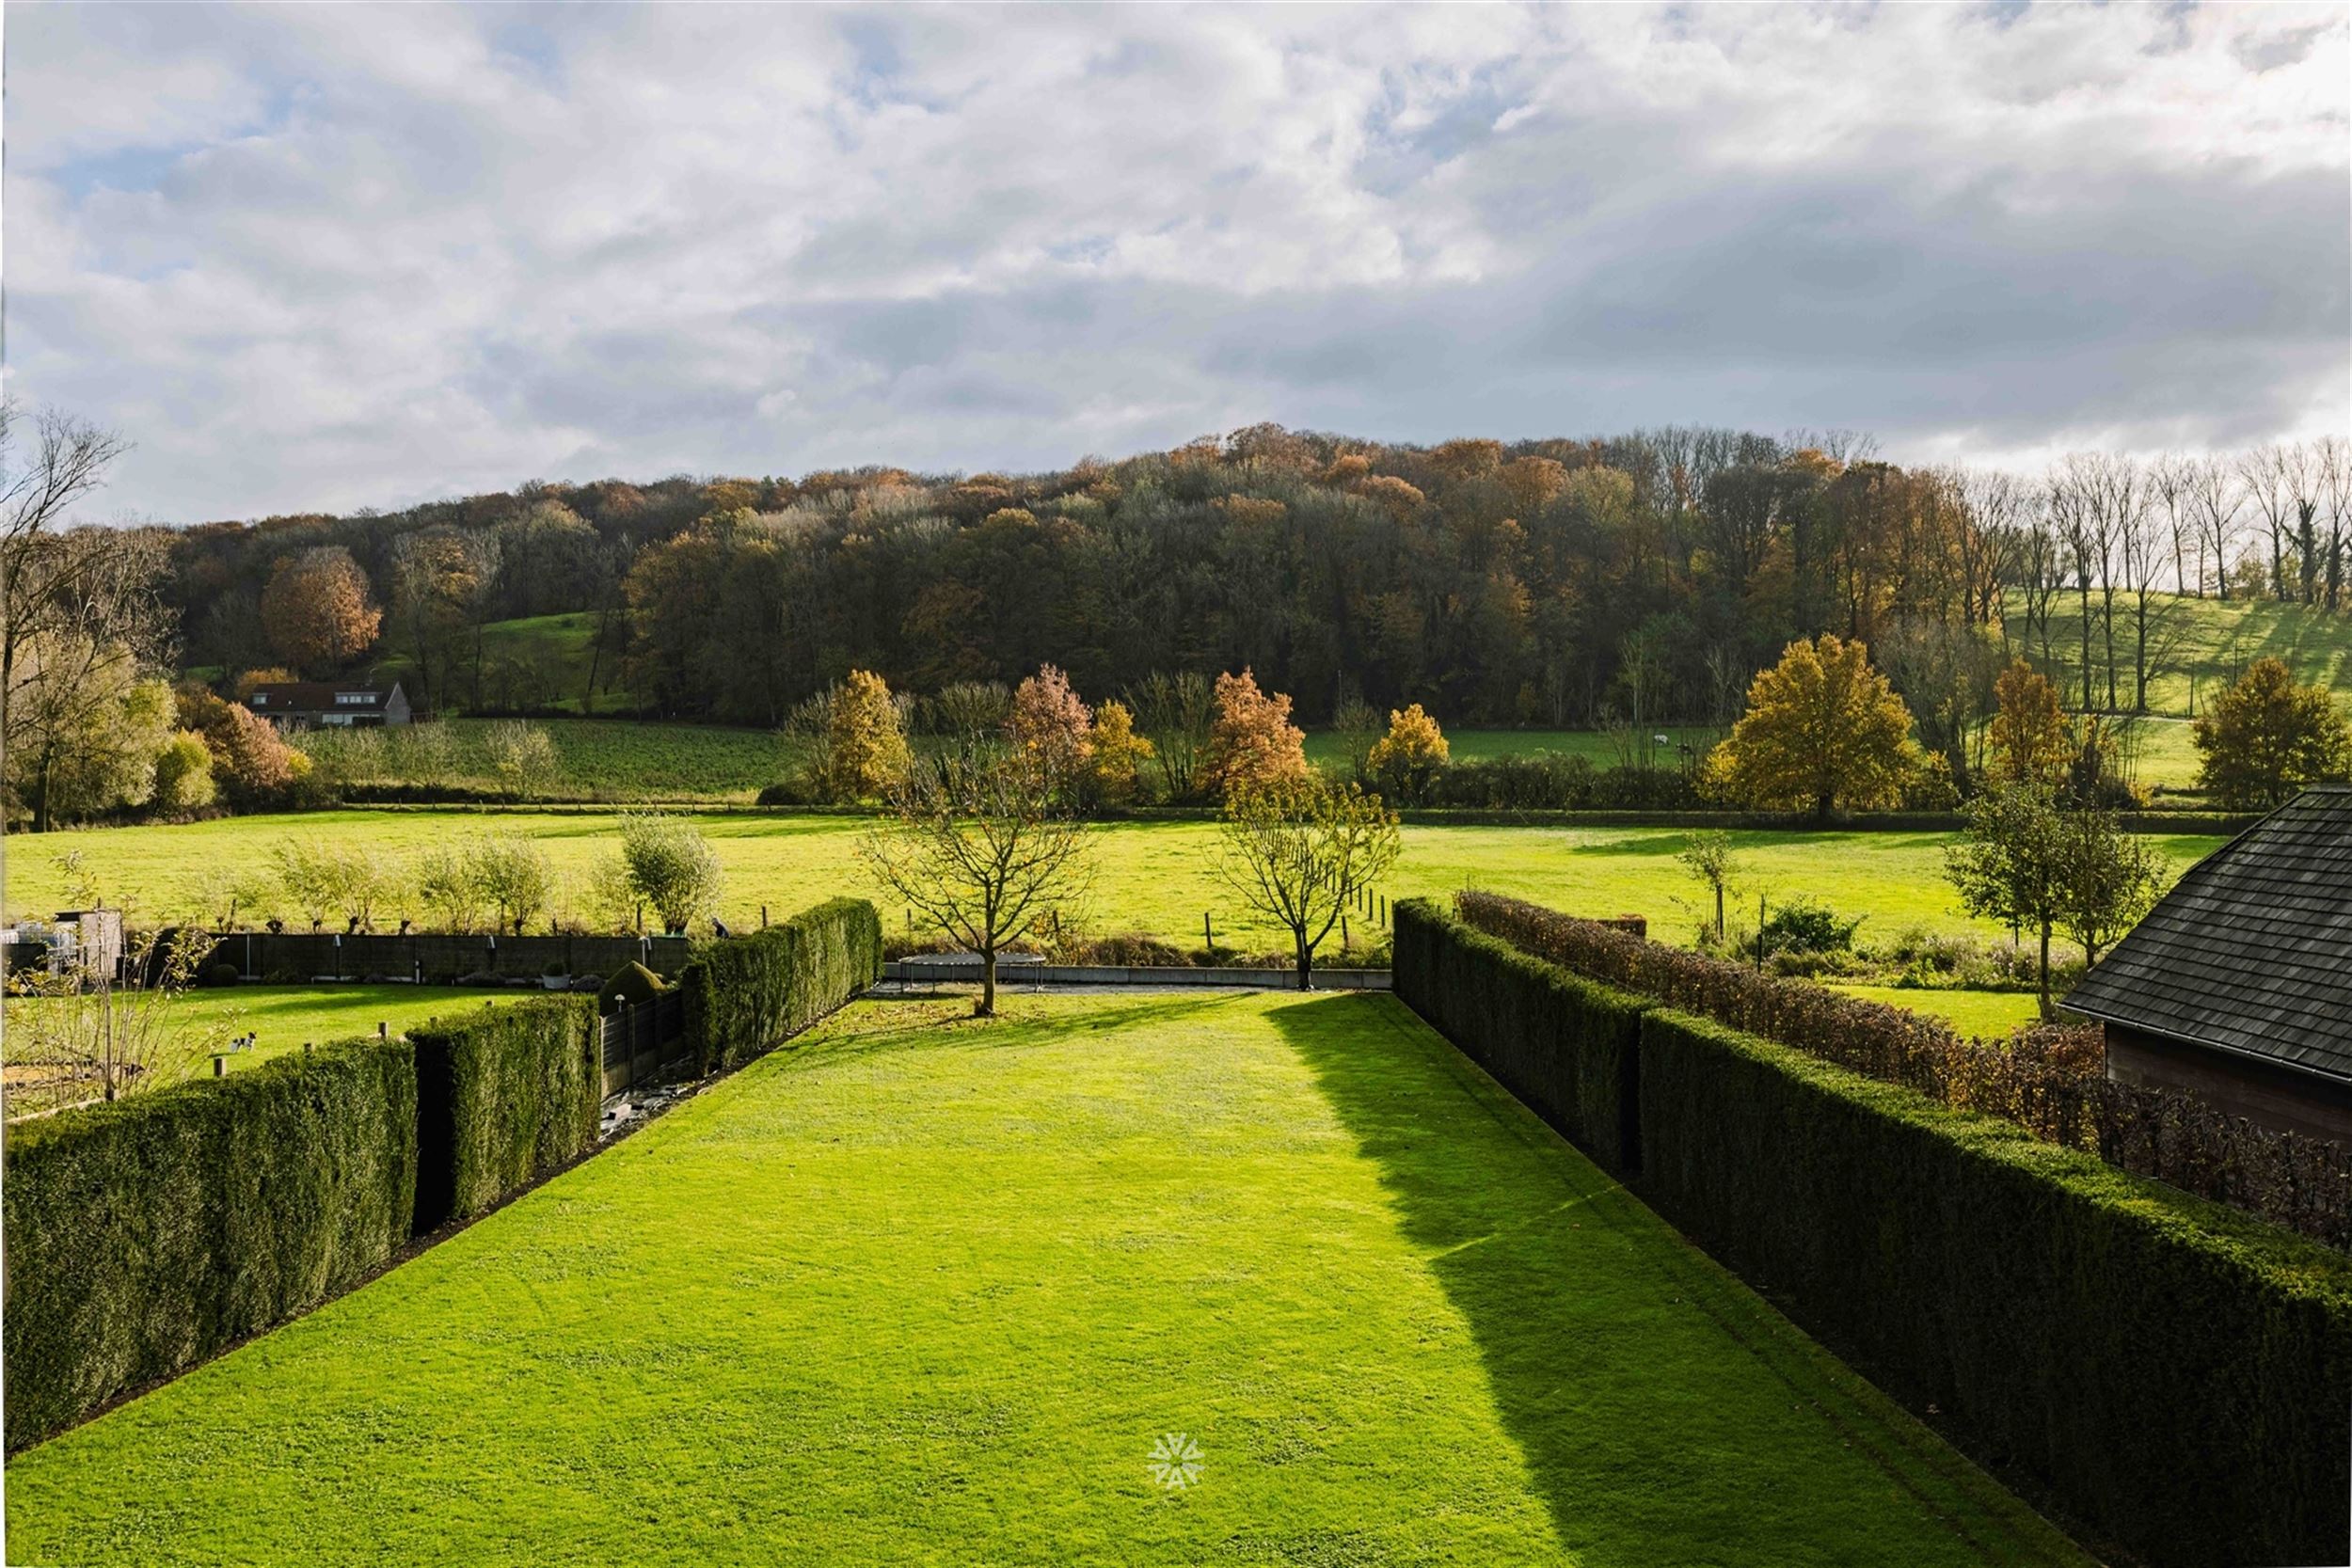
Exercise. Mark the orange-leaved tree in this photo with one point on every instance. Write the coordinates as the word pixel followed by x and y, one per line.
pixel 1824 731
pixel 316 610
pixel 1252 744
pixel 1052 727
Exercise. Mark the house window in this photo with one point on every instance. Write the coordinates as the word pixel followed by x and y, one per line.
pixel 260 699
pixel 351 697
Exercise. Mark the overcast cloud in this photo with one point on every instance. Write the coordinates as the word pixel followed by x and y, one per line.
pixel 324 257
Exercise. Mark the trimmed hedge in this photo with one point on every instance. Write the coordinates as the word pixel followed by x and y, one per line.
pixel 2176 1374
pixel 1566 1046
pixel 744 995
pixel 152 1233
pixel 502 1097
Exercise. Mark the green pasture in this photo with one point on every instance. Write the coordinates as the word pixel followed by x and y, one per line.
pixel 930 1289
pixel 1989 1013
pixel 1157 877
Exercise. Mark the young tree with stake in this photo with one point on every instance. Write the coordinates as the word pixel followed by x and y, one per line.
pixel 1300 852
pixel 986 851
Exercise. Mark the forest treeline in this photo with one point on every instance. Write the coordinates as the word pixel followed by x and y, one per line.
pixel 1640 579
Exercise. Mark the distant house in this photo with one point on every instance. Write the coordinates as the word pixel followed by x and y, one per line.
pixel 2240 984
pixel 300 704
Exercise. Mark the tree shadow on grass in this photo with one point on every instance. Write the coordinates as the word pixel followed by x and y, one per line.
pixel 1665 1414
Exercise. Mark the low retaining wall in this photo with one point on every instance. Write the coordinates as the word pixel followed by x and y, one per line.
pixel 439 960
pixel 1014 976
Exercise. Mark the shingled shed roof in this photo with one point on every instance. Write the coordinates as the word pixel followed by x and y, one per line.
pixel 2252 951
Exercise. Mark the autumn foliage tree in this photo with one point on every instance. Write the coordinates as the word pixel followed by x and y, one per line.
pixel 865 740
pixel 252 765
pixel 1119 755
pixel 2267 737
pixel 1252 744
pixel 2032 742
pixel 1052 726
pixel 317 613
pixel 1824 731
pixel 1406 761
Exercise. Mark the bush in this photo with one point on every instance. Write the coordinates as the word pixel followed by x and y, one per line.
pixel 2176 1374
pixel 222 974
pixel 152 1233
pixel 1802 925
pixel 504 1098
pixel 744 995
pixel 629 986
pixel 1565 1046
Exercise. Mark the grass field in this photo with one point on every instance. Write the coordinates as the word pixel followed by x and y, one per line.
pixel 925 1290
pixel 283 1018
pixel 1154 877
pixel 1990 1013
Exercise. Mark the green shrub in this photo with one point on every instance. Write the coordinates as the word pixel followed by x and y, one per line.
pixel 745 994
pixel 148 1234
pixel 1566 1046
pixel 2174 1373
pixel 502 1097
pixel 631 984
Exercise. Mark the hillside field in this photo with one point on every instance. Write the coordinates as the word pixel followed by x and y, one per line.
pixel 930 1289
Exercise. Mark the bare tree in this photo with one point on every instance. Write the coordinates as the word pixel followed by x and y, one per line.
pixel 2306 477
pixel 2333 457
pixel 2269 476
pixel 986 851
pixel 2169 478
pixel 1300 854
pixel 2217 494
pixel 2143 532
pixel 1174 713
pixel 82 583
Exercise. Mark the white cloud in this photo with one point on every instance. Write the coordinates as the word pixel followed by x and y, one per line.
pixel 327 257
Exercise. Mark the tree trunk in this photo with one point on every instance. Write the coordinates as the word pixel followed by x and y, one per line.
pixel 2047 1011
pixel 1306 964
pixel 988 984
pixel 1719 911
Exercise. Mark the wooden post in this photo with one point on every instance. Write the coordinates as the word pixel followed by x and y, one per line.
pixel 380 1028
pixel 1208 933
pixel 763 917
pixel 220 1064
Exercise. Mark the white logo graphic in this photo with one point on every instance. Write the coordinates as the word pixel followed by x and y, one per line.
pixel 1175 1461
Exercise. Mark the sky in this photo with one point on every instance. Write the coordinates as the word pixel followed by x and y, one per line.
pixel 327 256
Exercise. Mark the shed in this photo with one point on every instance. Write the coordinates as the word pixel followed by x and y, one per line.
pixel 2238 984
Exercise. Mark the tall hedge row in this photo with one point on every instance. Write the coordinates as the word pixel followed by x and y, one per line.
pixel 146 1235
pixel 502 1097
pixel 2177 1374
pixel 1566 1046
pixel 745 994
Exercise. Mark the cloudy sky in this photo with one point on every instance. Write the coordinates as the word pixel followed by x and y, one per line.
pixel 325 257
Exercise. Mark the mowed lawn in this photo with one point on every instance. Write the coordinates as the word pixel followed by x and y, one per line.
pixel 928 1290
pixel 284 1018
pixel 1159 878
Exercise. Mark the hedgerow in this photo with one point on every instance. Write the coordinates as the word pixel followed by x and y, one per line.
pixel 744 995
pixel 2174 1373
pixel 146 1235
pixel 1564 1045
pixel 502 1097
pixel 2049 1079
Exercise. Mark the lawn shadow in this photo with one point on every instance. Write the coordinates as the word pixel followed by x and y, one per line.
pixel 1652 1397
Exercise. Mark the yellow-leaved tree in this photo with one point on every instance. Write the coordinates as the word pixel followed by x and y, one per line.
pixel 1404 762
pixel 865 739
pixel 1117 754
pixel 2032 742
pixel 1824 731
